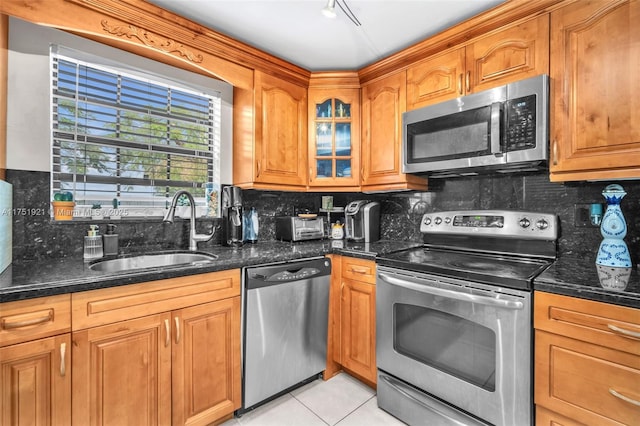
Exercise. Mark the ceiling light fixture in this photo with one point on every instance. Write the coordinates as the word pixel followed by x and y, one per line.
pixel 330 9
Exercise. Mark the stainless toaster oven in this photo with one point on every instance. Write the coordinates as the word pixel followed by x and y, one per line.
pixel 295 228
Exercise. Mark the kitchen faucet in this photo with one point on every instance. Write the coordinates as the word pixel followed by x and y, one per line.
pixel 193 237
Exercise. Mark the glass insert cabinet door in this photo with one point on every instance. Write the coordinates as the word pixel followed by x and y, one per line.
pixel 333 136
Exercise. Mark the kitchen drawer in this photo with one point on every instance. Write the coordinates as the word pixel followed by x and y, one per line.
pixel 612 326
pixel 586 382
pixel 108 305
pixel 549 418
pixel 31 319
pixel 358 269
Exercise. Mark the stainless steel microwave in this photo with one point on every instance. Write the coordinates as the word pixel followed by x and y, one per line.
pixel 504 129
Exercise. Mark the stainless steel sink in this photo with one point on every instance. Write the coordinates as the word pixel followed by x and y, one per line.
pixel 152 260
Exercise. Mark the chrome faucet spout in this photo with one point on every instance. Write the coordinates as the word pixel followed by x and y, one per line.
pixel 194 238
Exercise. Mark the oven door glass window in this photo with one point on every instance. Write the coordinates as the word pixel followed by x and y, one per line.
pixel 447 342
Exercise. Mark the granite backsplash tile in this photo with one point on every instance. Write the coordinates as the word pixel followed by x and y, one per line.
pixel 36 235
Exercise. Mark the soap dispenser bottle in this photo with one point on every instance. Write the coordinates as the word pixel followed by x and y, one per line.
pixel 93 243
pixel 110 241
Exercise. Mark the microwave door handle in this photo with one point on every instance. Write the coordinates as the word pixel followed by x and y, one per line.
pixel 467 297
pixel 496 120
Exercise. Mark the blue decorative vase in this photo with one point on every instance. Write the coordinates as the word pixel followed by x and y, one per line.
pixel 613 250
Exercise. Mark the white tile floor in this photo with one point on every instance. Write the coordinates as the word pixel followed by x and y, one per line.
pixel 342 401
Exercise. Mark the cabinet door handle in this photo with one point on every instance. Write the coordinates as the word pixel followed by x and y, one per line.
pixel 26 323
pixel 177 321
pixel 167 338
pixel 623 397
pixel 460 84
pixel 554 151
pixel 468 82
pixel 63 364
pixel 258 175
pixel 624 332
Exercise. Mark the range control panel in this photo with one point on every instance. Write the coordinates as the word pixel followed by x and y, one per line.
pixel 503 223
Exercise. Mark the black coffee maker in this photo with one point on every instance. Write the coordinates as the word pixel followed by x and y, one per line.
pixel 232 216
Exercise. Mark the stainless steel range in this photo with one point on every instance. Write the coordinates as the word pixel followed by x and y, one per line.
pixel 454 318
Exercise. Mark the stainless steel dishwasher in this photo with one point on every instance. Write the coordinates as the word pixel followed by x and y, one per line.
pixel 285 323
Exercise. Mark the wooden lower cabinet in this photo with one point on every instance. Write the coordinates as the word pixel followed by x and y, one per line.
pixel 122 373
pixel 549 418
pixel 35 382
pixel 354 323
pixel 205 365
pixel 587 362
pixel 174 367
pixel 358 328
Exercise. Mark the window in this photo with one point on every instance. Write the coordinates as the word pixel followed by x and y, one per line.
pixel 131 137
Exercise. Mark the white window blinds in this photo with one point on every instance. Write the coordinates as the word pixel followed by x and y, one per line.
pixel 117 135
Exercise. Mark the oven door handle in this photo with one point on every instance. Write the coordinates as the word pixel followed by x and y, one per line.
pixel 473 298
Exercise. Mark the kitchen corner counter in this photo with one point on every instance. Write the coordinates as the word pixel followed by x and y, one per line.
pixel 50 276
pixel 578 277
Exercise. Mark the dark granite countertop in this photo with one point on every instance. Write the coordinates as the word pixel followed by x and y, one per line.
pixel 578 277
pixel 569 275
pixel 47 277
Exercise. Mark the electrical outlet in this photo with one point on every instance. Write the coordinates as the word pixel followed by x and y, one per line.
pixel 581 216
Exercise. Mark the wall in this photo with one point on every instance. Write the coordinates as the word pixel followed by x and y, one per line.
pixel 401 213
pixel 6 243
pixel 36 235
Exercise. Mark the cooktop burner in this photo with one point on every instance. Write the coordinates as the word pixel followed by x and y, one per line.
pixel 489 269
pixel 505 248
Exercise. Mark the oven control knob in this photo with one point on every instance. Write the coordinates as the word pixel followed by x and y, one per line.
pixel 438 220
pixel 542 224
pixel 524 222
pixel 447 220
pixel 427 221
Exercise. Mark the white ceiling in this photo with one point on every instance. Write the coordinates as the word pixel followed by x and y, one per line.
pixel 296 30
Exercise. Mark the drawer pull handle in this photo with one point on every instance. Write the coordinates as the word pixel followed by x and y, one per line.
pixel 63 365
pixel 167 333
pixel 26 323
pixel 624 398
pixel 626 333
pixel 177 321
pixel 359 271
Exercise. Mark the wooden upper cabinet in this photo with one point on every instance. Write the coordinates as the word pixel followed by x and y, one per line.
pixel 383 103
pixel 436 79
pixel 281 133
pixel 334 139
pixel 595 113
pixel 504 56
pixel 508 55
